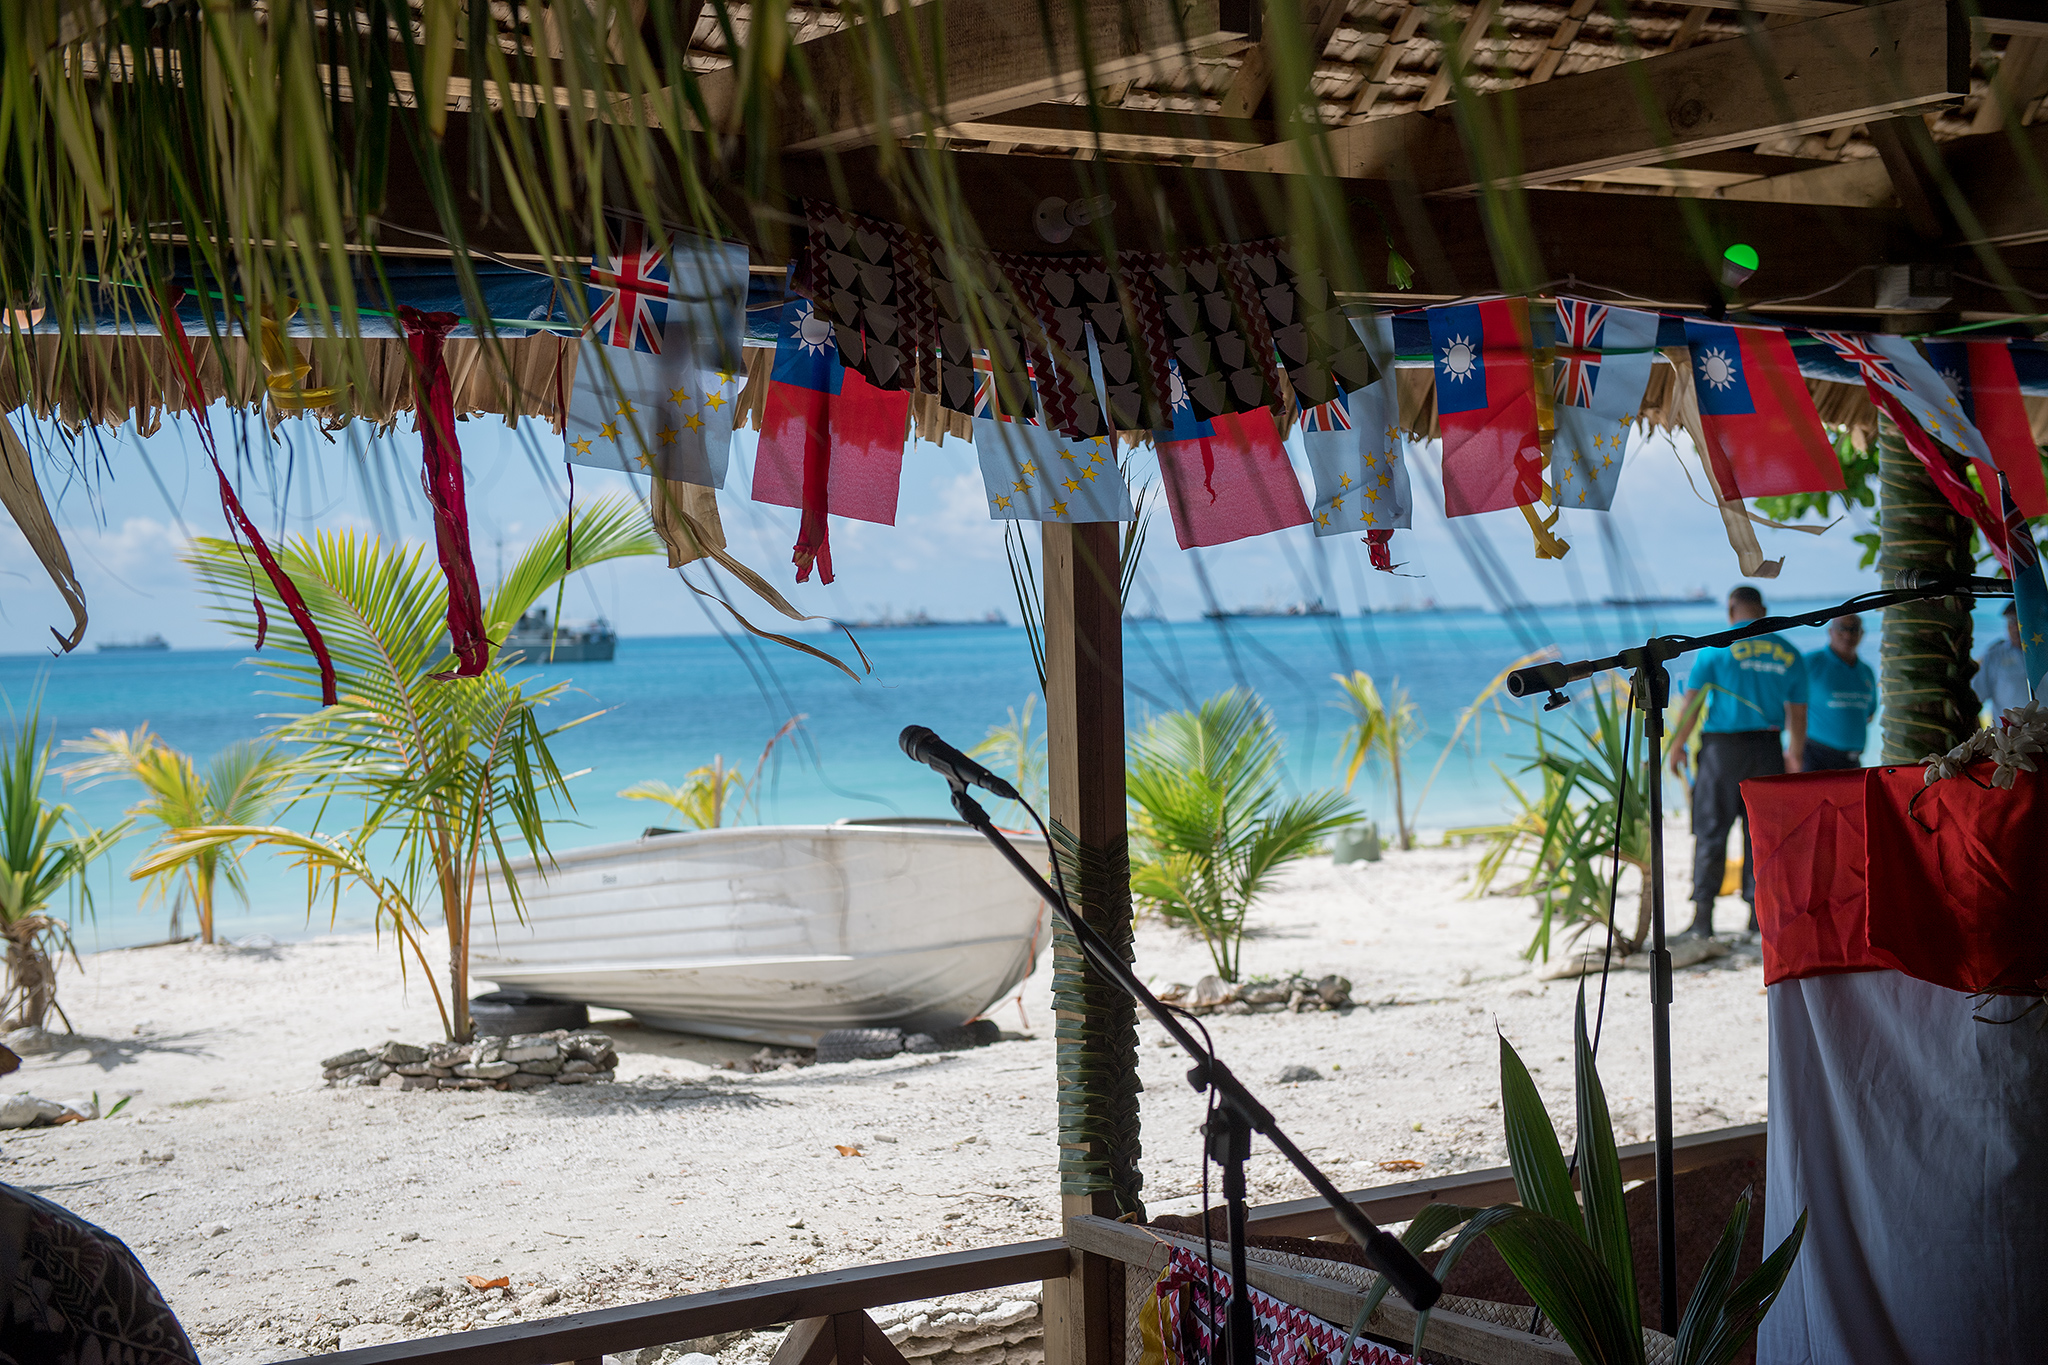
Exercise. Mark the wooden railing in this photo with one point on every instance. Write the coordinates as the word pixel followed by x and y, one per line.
pixel 831 1306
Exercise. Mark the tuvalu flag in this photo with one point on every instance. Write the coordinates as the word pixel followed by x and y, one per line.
pixel 1980 375
pixel 1033 473
pixel 1226 478
pixel 657 370
pixel 1764 438
pixel 1486 405
pixel 1356 449
pixel 2029 591
pixel 831 443
pixel 1604 356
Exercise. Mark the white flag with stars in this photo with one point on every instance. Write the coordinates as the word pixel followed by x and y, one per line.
pixel 651 414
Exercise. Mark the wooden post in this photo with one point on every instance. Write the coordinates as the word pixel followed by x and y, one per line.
pixel 1097 1054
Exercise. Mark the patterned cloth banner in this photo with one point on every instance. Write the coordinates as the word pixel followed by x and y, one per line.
pixel 1356 449
pixel 1181 1323
pixel 1764 438
pixel 1486 406
pixel 658 370
pixel 1324 356
pixel 1981 375
pixel 1604 356
pixel 1928 414
pixel 830 441
pixel 1227 478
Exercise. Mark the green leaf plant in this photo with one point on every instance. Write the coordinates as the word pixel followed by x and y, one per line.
pixel 444 777
pixel 41 856
pixel 1211 829
pixel 1383 726
pixel 1572 1255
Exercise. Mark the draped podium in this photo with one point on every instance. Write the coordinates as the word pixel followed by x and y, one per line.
pixel 1897 918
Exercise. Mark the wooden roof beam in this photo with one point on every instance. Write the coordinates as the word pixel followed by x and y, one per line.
pixel 996 57
pixel 1123 132
pixel 1860 65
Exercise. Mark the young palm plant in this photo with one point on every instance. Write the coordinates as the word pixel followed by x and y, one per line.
pixel 707 796
pixel 1382 726
pixel 1211 828
pixel 242 785
pixel 444 777
pixel 1572 1254
pixel 41 856
pixel 1018 749
pixel 1565 840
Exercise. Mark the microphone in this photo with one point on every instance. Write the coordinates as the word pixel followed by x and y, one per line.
pixel 1917 580
pixel 927 748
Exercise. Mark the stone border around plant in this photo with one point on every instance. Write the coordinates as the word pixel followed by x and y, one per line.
pixel 524 1061
pixel 1296 994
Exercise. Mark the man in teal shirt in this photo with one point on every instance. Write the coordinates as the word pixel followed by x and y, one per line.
pixel 1841 697
pixel 1748 692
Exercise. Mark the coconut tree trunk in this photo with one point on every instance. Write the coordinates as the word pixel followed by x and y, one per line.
pixel 31 977
pixel 1925 666
pixel 202 898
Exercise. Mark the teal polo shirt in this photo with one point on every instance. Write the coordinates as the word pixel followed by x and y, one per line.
pixel 1748 684
pixel 1841 699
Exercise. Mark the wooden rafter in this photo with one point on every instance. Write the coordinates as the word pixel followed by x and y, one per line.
pixel 1127 132
pixel 1561 41
pixel 996 57
pixel 1390 55
pixel 1469 37
pixel 1247 89
pixel 1818 74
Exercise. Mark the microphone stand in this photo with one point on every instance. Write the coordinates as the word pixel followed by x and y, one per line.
pixel 1228 1134
pixel 1650 692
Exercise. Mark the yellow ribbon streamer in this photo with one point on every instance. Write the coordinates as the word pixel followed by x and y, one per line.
pixel 285 369
pixel 1548 546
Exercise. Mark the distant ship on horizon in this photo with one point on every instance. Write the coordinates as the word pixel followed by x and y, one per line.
pixel 922 620
pixel 1691 599
pixel 148 644
pixel 1315 608
pixel 532 639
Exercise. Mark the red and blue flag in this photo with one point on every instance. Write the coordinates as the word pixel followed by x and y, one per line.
pixel 1980 375
pixel 1226 478
pixel 1604 356
pixel 831 443
pixel 629 292
pixel 1764 438
pixel 1486 406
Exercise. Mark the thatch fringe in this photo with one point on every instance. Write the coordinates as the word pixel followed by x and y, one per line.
pixel 124 377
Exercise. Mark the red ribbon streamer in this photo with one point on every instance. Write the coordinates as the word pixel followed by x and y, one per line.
pixel 441 476
pixel 1376 550
pixel 288 592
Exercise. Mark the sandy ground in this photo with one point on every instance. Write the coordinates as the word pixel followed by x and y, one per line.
pixel 282 1217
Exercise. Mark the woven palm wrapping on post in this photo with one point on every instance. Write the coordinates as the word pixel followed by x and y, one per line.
pixel 1097 1035
pixel 1929 705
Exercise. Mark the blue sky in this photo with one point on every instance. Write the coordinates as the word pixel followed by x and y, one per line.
pixel 125 530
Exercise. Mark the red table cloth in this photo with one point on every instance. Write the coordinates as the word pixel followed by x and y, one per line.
pixel 1854 874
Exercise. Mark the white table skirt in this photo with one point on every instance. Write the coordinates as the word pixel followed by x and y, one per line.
pixel 1917 1140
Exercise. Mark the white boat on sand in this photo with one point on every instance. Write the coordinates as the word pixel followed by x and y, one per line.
pixel 774 933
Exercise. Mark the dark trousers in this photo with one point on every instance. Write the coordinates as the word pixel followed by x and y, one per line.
pixel 1726 762
pixel 1822 758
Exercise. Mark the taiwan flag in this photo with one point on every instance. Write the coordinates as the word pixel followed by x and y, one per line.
pixel 1981 376
pixel 1763 437
pixel 1486 405
pixel 1227 478
pixel 830 441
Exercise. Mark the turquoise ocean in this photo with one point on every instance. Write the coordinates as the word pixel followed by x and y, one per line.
pixel 670 704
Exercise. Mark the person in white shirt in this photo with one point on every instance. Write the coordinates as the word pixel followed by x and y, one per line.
pixel 2002 669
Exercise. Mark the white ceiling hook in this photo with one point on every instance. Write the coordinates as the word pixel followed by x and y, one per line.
pixel 1057 219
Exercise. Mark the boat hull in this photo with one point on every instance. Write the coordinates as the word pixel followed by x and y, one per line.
pixel 773 934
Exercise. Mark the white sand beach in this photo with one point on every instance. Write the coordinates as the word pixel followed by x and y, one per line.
pixel 282 1216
